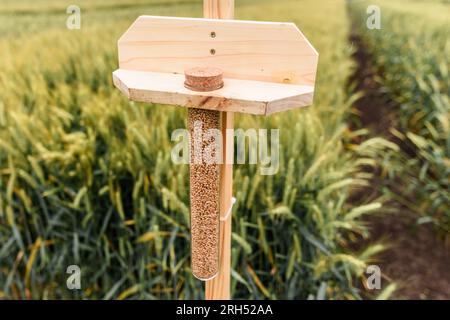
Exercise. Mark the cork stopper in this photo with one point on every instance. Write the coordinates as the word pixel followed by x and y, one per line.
pixel 203 79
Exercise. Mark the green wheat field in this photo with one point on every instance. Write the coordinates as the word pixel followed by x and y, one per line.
pixel 86 176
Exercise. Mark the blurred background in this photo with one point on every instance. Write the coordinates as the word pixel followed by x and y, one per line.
pixel 86 176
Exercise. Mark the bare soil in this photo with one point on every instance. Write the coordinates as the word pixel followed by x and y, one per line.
pixel 416 259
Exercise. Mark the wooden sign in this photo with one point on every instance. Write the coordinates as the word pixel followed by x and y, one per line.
pixel 226 66
pixel 267 66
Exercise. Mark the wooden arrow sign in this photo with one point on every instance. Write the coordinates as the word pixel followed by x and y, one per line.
pixel 267 66
pixel 249 67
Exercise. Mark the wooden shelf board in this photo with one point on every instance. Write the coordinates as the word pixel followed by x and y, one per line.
pixel 245 96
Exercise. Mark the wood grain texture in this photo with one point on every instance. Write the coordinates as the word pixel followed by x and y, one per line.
pixel 244 96
pixel 263 51
pixel 218 9
pixel 219 287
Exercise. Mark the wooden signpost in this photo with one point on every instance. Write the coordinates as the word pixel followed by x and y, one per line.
pixel 215 67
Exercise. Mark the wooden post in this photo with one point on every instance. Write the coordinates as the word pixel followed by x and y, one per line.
pixel 219 287
pixel 261 79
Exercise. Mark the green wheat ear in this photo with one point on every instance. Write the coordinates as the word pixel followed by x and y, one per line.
pixel 86 176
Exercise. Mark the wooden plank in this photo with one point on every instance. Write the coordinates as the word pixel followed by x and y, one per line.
pixel 245 96
pixel 263 51
pixel 219 287
pixel 218 9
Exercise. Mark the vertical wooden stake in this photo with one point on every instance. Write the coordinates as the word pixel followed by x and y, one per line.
pixel 219 287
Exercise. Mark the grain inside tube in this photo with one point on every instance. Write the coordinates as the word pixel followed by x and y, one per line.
pixel 204 176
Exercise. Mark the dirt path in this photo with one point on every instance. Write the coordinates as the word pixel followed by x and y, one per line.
pixel 416 260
